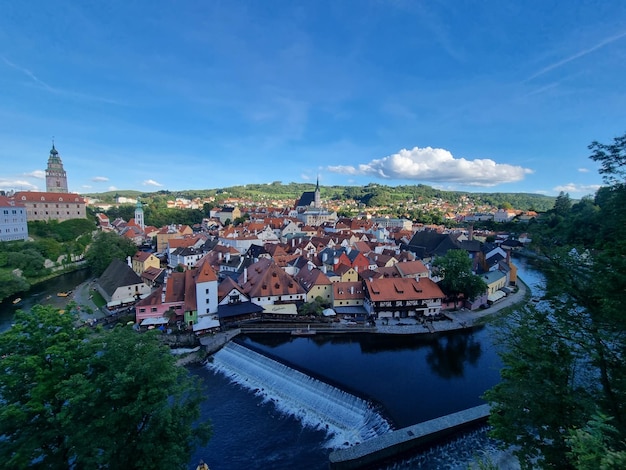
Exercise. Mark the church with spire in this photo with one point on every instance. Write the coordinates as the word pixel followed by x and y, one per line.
pixel 309 208
pixel 56 178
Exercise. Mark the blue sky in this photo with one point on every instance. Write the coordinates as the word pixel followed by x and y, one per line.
pixel 148 95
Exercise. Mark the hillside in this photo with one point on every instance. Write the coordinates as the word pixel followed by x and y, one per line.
pixel 370 195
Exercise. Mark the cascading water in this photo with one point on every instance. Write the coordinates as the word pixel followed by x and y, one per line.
pixel 347 419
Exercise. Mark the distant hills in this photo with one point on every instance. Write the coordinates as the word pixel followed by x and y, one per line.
pixel 371 195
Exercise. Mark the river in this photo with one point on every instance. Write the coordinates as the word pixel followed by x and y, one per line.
pixel 44 293
pixel 411 378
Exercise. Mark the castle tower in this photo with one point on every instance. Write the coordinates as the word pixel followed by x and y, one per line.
pixel 139 215
pixel 56 178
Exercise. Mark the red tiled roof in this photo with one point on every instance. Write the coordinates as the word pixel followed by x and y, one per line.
pixel 390 289
pixel 34 196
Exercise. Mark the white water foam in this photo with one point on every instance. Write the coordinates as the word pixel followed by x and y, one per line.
pixel 347 419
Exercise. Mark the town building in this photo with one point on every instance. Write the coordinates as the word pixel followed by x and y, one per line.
pixel 13 224
pixel 402 298
pixel 51 206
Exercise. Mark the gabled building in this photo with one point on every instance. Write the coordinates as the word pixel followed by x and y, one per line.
pixel 402 298
pixel 13 225
pixel 415 269
pixel 143 260
pixel 267 284
pixel 315 283
pixel 120 285
pixel 234 305
pixel 51 206
pixel 348 294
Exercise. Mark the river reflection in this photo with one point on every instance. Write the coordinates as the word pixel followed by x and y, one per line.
pixel 414 377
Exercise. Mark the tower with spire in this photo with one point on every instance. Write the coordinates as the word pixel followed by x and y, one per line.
pixel 56 178
pixel 139 215
pixel 317 203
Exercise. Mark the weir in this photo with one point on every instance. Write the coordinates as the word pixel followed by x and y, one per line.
pixel 347 419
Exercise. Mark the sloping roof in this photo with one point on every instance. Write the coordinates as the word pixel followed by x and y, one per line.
pixel 406 288
pixel 234 310
pixel 428 243
pixel 117 274
pixel 411 268
pixel 175 288
pixel 307 198
pixel 35 196
pixel 348 290
pixel 205 272
pixel 142 256
pixel 226 287
pixel 266 279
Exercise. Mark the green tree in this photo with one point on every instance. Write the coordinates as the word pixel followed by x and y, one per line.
pixel 536 399
pixel 458 281
pixel 612 159
pixel 11 284
pixel 29 261
pixel 564 378
pixel 78 398
pixel 105 247
pixel 562 204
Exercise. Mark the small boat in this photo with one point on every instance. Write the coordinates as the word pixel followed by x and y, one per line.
pixel 64 294
pixel 17 301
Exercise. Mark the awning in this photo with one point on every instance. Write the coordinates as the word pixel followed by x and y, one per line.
pixel 282 309
pixel 154 321
pixel 114 303
pixel 206 323
pixel 329 312
pixel 497 295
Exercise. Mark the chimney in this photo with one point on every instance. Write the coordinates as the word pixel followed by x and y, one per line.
pixel 245 275
pixel 470 234
pixel 130 264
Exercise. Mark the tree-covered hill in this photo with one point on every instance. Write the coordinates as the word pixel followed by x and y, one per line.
pixel 370 195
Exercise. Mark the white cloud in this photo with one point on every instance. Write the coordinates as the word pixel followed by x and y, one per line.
pixel 577 188
pixel 305 177
pixel 151 183
pixel 112 188
pixel 17 185
pixel 39 174
pixel 583 170
pixel 86 186
pixel 99 179
pixel 437 165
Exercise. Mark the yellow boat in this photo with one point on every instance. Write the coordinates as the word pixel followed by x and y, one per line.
pixel 17 301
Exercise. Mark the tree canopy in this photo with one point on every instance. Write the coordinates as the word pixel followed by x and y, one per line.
pixel 455 267
pixel 78 398
pixel 105 247
pixel 562 399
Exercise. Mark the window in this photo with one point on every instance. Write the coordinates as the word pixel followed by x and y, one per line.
pixel 153 309
pixel 207 301
pixel 206 291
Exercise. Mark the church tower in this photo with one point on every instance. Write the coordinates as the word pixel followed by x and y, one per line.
pixel 317 203
pixel 56 178
pixel 139 215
